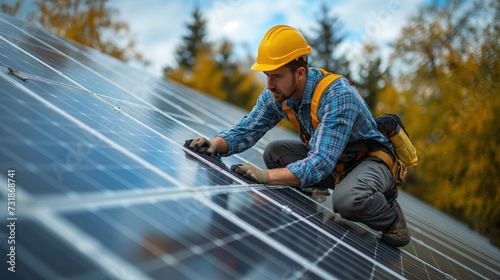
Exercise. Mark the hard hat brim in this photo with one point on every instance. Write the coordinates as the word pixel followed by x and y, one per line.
pixel 265 67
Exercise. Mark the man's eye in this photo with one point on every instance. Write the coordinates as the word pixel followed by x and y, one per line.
pixel 274 76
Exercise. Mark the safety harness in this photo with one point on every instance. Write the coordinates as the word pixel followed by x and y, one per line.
pixel 363 148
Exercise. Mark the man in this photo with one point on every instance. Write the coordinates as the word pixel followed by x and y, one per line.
pixel 366 192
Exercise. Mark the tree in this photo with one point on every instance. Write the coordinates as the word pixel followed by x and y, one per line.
pixel 238 84
pixel 447 92
pixel 194 42
pixel 325 42
pixel 371 77
pixel 211 68
pixel 220 76
pixel 90 22
pixel 11 10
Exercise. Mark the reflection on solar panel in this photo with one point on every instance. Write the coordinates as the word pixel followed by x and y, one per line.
pixel 104 188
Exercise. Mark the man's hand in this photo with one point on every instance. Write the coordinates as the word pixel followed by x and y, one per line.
pixel 317 194
pixel 202 145
pixel 250 172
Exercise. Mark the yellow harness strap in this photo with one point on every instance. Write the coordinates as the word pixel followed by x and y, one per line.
pixel 327 79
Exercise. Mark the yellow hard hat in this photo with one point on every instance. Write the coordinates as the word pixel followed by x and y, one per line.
pixel 280 45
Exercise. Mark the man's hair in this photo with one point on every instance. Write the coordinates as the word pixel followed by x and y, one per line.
pixel 297 63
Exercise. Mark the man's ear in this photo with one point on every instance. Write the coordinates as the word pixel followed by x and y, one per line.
pixel 301 73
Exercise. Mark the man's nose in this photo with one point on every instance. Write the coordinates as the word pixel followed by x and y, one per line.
pixel 270 83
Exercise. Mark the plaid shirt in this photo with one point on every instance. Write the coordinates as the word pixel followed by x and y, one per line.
pixel 344 118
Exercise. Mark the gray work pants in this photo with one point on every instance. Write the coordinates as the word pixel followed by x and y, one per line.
pixel 364 195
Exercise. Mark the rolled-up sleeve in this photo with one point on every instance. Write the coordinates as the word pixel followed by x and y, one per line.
pixel 338 115
pixel 253 126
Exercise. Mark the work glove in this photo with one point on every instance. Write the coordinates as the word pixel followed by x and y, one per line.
pixel 250 172
pixel 201 145
pixel 318 195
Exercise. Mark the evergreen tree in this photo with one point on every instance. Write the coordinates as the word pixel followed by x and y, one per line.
pixel 229 68
pixel 193 42
pixel 236 83
pixel 212 69
pixel 371 81
pixel 222 57
pixel 325 43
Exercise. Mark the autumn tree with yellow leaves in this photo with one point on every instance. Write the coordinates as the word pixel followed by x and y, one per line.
pixel 90 22
pixel 11 10
pixel 447 93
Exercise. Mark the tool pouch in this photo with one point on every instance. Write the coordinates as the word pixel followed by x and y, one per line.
pixel 392 127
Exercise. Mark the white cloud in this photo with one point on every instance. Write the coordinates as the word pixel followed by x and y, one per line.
pixel 377 22
pixel 248 16
pixel 250 20
pixel 381 20
pixel 231 26
pixel 157 26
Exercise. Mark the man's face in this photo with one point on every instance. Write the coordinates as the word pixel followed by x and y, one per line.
pixel 282 84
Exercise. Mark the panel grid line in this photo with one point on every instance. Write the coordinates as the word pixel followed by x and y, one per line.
pixel 299 274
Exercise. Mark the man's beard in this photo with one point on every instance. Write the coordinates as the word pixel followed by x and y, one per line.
pixel 293 91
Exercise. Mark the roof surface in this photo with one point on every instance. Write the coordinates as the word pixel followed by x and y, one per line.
pixel 104 188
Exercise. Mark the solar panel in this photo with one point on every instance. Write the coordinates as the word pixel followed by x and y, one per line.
pixel 104 188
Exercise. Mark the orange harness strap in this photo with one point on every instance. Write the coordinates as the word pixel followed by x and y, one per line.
pixel 327 79
pixel 293 119
pixel 291 116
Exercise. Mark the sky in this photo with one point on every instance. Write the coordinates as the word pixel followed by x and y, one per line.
pixel 158 25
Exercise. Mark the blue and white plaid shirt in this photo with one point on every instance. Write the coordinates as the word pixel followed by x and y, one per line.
pixel 344 117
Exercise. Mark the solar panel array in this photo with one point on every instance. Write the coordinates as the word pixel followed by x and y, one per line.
pixel 104 188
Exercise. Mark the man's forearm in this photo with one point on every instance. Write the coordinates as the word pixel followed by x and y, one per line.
pixel 221 145
pixel 283 176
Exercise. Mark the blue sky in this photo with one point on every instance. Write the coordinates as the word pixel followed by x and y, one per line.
pixel 158 25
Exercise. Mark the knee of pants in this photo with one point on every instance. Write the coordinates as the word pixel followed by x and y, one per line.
pixel 348 206
pixel 280 153
pixel 274 153
pixel 268 152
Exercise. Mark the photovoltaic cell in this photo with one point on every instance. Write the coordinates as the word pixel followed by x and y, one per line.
pixel 105 188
